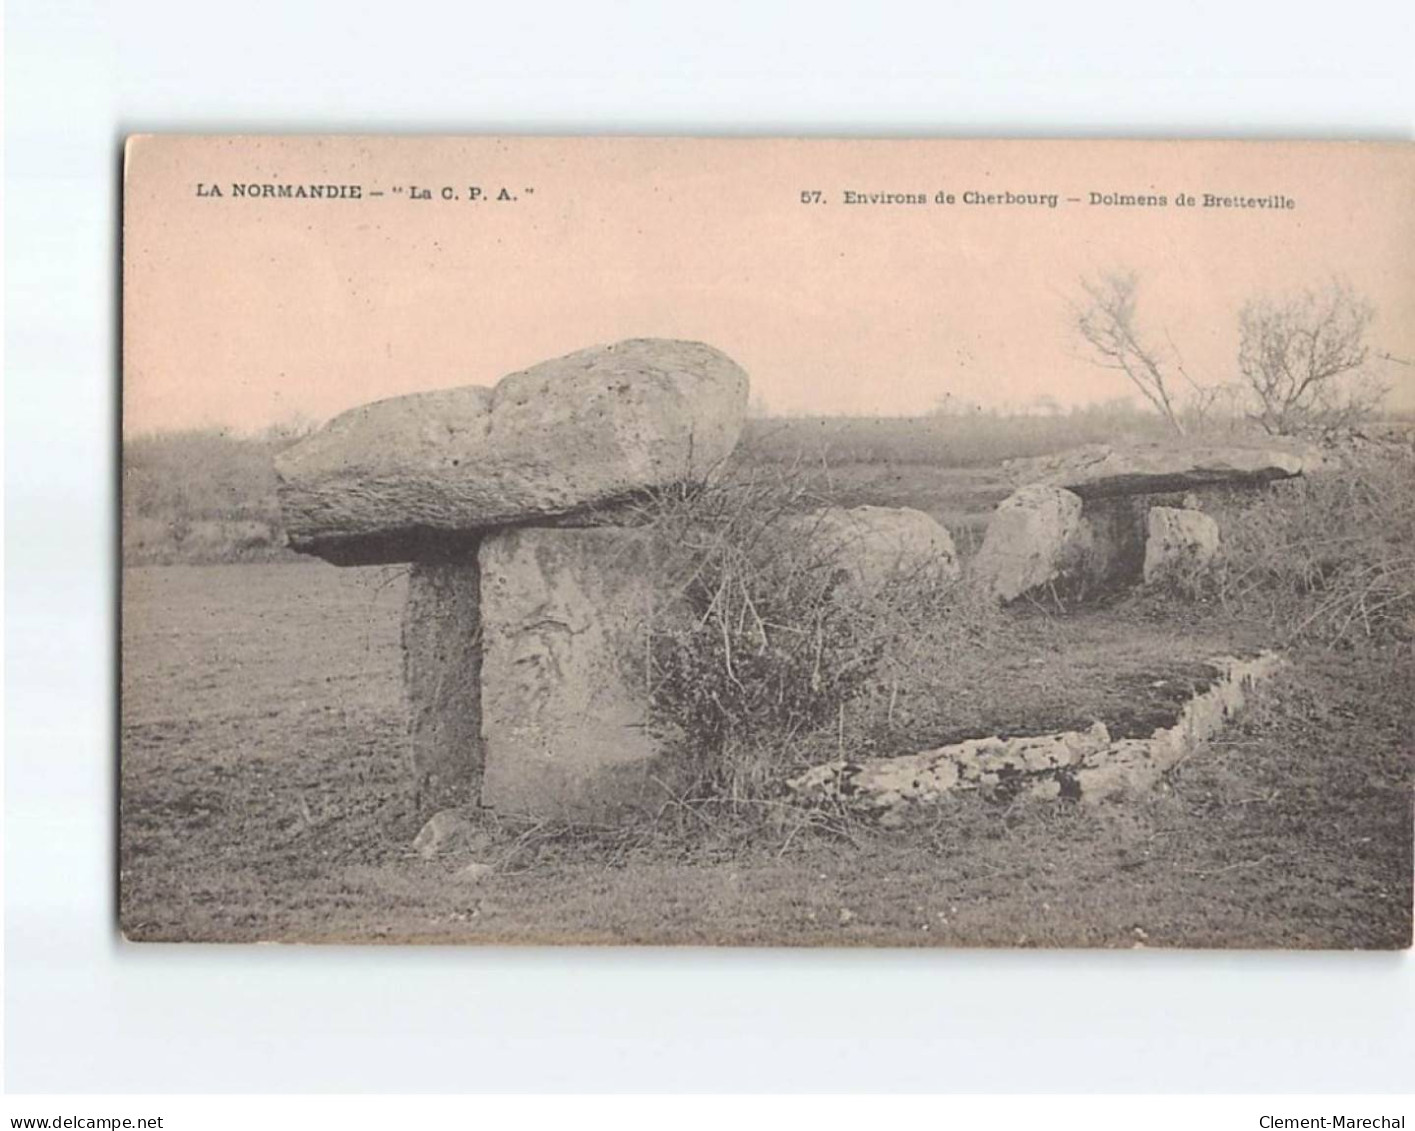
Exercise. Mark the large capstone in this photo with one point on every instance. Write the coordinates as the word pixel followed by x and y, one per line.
pixel 1180 543
pixel 1101 471
pixel 565 699
pixel 418 477
pixel 442 681
pixel 1031 540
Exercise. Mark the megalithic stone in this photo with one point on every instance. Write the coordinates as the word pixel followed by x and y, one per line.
pixel 1098 471
pixel 1180 542
pixel 1028 540
pixel 566 723
pixel 418 476
pixel 524 648
pixel 871 546
pixel 442 662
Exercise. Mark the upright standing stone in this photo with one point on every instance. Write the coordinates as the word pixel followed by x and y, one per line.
pixel 1179 542
pixel 1029 540
pixel 442 681
pixel 565 702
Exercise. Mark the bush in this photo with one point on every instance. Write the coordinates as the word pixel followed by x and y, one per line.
pixel 769 645
pixel 1330 557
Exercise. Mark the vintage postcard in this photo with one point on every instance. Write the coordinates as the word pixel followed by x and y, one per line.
pixel 768 542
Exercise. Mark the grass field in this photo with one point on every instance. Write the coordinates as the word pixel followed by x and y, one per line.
pixel 265 797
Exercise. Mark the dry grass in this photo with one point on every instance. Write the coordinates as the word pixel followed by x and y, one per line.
pixel 767 642
pixel 265 797
pixel 1330 557
pixel 265 792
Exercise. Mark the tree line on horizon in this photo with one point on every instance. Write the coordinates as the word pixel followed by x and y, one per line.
pixel 1305 366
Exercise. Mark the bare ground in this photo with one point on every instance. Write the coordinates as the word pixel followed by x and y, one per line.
pixel 264 798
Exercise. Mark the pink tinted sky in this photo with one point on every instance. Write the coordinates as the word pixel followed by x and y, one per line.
pixel 242 313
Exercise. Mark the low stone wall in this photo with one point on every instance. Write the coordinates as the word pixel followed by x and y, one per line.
pixel 1086 765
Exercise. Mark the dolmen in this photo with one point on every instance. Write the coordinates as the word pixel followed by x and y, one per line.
pixel 524 512
pixel 529 585
pixel 1102 517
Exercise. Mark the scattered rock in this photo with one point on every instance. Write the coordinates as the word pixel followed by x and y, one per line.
pixel 874 545
pixel 476 872
pixel 1178 543
pixel 1030 540
pixel 413 477
pixel 448 831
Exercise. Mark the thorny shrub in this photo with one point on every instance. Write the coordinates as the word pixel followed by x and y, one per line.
pixel 767 646
pixel 1328 557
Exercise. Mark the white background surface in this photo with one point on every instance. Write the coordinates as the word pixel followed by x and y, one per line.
pixel 86 1012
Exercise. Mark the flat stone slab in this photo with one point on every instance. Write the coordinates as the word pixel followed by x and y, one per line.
pixel 1100 470
pixel 420 476
pixel 565 703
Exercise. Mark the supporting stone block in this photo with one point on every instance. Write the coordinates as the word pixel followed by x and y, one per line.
pixel 442 681
pixel 1030 539
pixel 1111 542
pixel 1180 543
pixel 565 702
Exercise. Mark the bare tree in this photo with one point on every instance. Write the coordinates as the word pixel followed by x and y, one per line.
pixel 1108 324
pixel 1303 358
